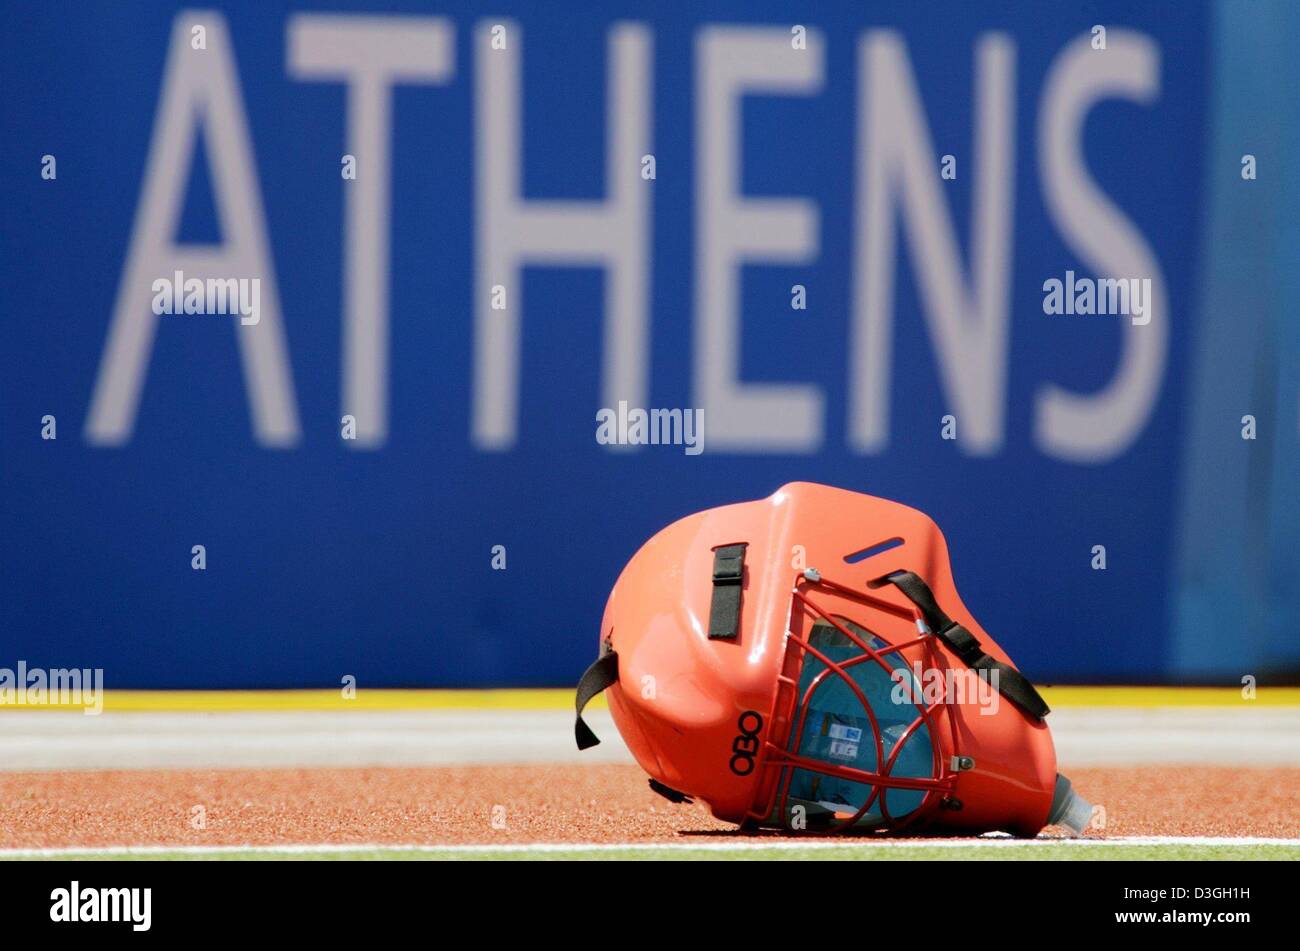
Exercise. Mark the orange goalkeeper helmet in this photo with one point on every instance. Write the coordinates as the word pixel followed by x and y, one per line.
pixel 804 662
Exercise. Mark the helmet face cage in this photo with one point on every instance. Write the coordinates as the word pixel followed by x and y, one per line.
pixel 779 757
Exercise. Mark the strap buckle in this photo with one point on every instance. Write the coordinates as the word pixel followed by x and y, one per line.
pixel 729 565
pixel 962 642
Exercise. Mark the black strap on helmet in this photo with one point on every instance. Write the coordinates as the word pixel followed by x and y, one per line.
pixel 1012 684
pixel 728 576
pixel 598 677
pixel 672 795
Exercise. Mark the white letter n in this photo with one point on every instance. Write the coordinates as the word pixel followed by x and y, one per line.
pixel 896 164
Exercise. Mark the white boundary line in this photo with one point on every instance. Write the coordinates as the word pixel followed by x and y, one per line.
pixel 543 847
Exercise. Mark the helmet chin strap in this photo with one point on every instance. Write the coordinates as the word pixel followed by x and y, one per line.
pixel 597 678
pixel 1011 683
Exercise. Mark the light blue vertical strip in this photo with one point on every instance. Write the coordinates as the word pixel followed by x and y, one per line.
pixel 1237 578
pixel 1283 595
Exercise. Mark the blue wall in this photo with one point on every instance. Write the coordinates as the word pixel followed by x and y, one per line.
pixel 325 558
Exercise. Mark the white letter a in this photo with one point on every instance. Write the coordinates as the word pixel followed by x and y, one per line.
pixel 197 87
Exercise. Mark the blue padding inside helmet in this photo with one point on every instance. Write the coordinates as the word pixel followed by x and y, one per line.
pixel 837 732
